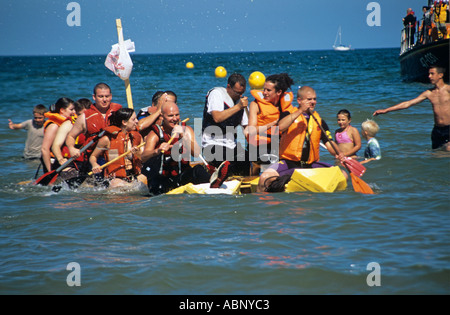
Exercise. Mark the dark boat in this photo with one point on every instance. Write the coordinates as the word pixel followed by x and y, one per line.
pixel 428 50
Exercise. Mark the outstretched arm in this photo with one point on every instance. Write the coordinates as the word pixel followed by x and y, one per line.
pixel 403 105
pixel 13 125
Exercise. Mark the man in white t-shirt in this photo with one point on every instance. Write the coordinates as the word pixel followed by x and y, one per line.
pixel 223 114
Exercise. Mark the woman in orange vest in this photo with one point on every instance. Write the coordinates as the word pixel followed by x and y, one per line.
pixel 121 136
pixel 300 141
pixel 61 111
pixel 263 119
pixel 59 149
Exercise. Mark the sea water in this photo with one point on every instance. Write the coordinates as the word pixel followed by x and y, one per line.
pixel 97 241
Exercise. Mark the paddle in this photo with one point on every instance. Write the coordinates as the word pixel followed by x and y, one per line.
pixel 211 169
pixel 358 184
pixel 117 158
pixel 50 177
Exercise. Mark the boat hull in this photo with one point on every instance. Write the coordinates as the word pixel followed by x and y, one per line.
pixel 415 63
pixel 341 48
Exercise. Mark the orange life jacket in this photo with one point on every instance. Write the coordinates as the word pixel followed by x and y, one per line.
pixel 267 114
pixel 291 143
pixel 95 123
pixel 169 167
pixel 118 144
pixel 54 118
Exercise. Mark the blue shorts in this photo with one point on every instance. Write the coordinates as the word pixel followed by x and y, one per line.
pixel 287 167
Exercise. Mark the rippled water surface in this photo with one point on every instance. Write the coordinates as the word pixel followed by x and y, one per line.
pixel 297 243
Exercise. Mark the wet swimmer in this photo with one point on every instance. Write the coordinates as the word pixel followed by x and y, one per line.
pixel 439 96
pixel 120 137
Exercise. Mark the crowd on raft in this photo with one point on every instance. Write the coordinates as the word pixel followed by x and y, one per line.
pixel 109 144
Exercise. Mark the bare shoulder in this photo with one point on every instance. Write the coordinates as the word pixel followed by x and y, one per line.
pixel 354 130
pixel 447 88
pixel 189 129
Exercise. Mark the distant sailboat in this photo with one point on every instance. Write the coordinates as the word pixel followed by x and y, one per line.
pixel 340 47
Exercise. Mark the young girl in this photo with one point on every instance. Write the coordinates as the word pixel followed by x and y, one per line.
pixel 347 137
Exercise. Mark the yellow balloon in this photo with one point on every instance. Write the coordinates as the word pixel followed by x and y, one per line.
pixel 189 65
pixel 256 80
pixel 220 72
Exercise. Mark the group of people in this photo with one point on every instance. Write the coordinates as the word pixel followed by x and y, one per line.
pixel 155 147
pixel 433 26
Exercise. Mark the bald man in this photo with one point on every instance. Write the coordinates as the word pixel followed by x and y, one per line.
pixel 166 165
pixel 300 141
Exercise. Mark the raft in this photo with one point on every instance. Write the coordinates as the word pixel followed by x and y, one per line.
pixel 228 188
pixel 318 180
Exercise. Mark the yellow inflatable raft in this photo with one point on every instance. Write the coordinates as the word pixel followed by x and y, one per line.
pixel 327 179
pixel 227 188
pixel 315 180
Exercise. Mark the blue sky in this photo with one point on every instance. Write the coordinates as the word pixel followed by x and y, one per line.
pixel 31 27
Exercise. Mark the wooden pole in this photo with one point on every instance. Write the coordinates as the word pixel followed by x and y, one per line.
pixel 127 81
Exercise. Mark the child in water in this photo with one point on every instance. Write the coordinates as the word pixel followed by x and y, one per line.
pixel 369 130
pixel 347 137
pixel 35 133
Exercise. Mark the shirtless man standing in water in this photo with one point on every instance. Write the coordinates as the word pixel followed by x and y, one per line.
pixel 439 96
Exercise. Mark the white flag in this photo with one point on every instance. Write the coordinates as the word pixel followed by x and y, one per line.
pixel 119 60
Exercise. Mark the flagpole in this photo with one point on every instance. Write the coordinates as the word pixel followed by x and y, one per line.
pixel 127 81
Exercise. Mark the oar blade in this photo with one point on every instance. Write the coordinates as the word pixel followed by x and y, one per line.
pixel 355 167
pixel 360 186
pixel 47 179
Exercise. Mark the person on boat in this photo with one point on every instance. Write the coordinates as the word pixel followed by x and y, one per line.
pixel 425 32
pixel 166 159
pixel 35 132
pixel 369 130
pixel 121 136
pixel 150 115
pixel 347 137
pixel 264 114
pixel 440 18
pixel 222 114
pixel 62 110
pixel 93 120
pixel 439 97
pixel 409 21
pixel 59 149
pixel 300 141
